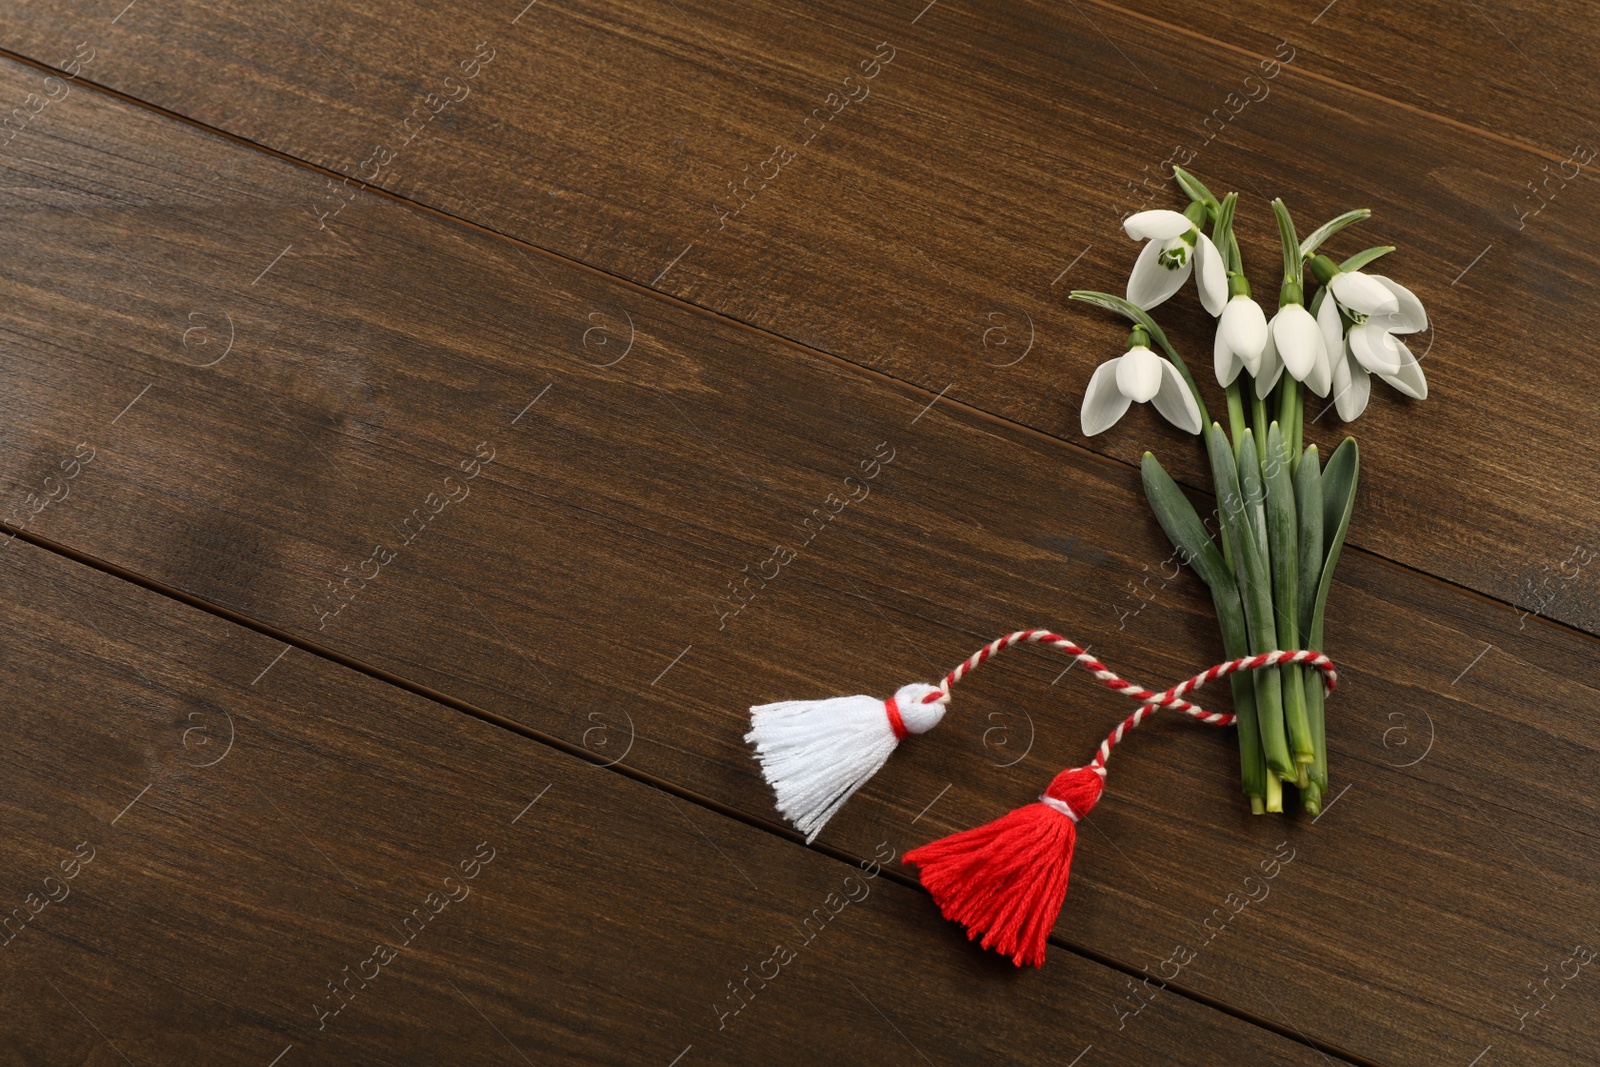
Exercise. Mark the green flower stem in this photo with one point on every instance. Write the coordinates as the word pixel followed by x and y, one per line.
pixel 1322 269
pixel 1311 797
pixel 1316 717
pixel 1288 393
pixel 1291 411
pixel 1283 541
pixel 1310 512
pixel 1291 431
pixel 1236 410
pixel 1255 582
pixel 1253 775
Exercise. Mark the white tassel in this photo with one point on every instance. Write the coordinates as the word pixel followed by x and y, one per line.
pixel 816 753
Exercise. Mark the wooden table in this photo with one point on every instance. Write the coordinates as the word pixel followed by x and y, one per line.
pixel 393 397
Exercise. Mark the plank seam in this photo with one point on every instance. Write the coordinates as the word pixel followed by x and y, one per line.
pixel 787 342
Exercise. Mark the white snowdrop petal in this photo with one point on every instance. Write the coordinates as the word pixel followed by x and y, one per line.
pixel 1363 293
pixel 1271 369
pixel 1225 360
pixel 1331 325
pixel 1408 313
pixel 1321 376
pixel 1103 402
pixel 1139 374
pixel 1174 400
pixel 1298 339
pixel 1409 379
pixel 1156 225
pixel 1377 350
pixel 1211 274
pixel 1351 388
pixel 1244 325
pixel 1151 284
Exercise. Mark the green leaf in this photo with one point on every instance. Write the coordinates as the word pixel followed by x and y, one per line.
pixel 1291 243
pixel 1230 506
pixel 1183 526
pixel 1188 535
pixel 1222 234
pixel 1224 220
pixel 1309 246
pixel 1308 506
pixel 1127 309
pixel 1194 188
pixel 1362 258
pixel 1338 501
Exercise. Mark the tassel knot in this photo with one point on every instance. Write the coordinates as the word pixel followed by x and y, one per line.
pixel 1074 792
pixel 919 707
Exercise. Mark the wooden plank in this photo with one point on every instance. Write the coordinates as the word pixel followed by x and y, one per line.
pixel 932 230
pixel 220 845
pixel 1521 71
pixel 576 589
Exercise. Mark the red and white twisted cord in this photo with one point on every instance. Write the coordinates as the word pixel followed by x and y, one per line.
pixel 1152 701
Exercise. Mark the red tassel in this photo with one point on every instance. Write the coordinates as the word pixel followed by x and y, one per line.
pixel 1008 880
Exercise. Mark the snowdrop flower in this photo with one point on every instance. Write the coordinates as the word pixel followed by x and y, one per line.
pixel 1352 381
pixel 1295 343
pixel 1379 309
pixel 1138 375
pixel 1241 335
pixel 1174 248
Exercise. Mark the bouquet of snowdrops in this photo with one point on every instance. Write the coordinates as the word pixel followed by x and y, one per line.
pixel 1282 515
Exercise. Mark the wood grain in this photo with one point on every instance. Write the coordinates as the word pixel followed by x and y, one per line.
pixel 249 838
pixel 575 590
pixel 1522 71
pixel 932 230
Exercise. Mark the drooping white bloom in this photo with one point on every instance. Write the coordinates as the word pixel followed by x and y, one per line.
pixel 1379 309
pixel 1352 382
pixel 1294 344
pixel 1174 249
pixel 1138 375
pixel 1241 339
